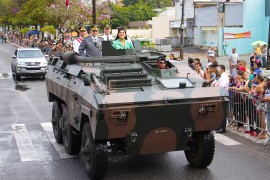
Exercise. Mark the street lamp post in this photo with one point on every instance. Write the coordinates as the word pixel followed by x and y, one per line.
pixel 94 11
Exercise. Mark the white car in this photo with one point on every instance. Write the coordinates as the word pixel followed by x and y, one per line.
pixel 28 62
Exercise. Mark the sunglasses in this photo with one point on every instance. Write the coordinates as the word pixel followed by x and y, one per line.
pixel 162 62
pixel 95 30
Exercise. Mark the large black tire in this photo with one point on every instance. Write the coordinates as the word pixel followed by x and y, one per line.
pixel 17 77
pixel 56 115
pixel 202 153
pixel 71 141
pixel 93 154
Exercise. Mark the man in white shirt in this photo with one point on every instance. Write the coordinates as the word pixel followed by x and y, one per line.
pixel 223 81
pixel 77 42
pixel 107 34
pixel 233 58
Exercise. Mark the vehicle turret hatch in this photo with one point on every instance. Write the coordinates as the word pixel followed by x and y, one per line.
pixel 125 77
pixel 180 82
pixel 151 68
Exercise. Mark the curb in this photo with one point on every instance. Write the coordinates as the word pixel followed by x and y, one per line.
pixel 247 136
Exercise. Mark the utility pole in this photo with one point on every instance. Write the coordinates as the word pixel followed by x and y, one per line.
pixel 268 52
pixel 182 23
pixel 94 12
pixel 181 30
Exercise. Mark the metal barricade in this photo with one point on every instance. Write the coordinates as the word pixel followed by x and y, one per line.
pixel 246 109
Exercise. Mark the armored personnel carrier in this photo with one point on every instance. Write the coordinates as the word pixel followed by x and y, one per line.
pixel 123 102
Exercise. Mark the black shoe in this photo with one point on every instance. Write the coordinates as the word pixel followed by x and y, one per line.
pixel 220 130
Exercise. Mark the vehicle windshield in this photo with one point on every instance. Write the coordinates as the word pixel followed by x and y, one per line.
pixel 30 54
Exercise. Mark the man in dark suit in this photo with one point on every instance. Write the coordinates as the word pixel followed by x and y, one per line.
pixel 91 45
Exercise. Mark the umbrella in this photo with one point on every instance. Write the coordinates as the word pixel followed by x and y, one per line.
pixel 32 32
pixel 258 42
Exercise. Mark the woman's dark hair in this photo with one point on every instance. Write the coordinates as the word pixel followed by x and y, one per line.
pixel 241 73
pixel 122 28
pixel 197 59
pixel 258 63
pixel 190 60
pixel 260 77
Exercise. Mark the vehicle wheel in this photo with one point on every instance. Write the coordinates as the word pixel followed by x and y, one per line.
pixel 203 150
pixel 71 141
pixel 56 115
pixel 43 77
pixel 94 155
pixel 17 77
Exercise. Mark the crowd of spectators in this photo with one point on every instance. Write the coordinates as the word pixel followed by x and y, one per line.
pixel 48 45
pixel 249 91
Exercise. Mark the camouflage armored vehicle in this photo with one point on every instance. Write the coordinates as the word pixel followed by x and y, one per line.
pixel 125 103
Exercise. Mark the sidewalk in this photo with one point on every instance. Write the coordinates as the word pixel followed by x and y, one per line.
pixel 195 52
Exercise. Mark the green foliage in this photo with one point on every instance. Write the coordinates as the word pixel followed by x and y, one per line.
pixel 123 15
pixel 24 30
pixel 23 13
pixel 152 3
pixel 48 29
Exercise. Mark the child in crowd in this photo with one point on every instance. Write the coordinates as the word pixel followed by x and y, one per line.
pixel 198 69
pixel 257 70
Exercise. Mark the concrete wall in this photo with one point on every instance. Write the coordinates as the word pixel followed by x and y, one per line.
pixel 161 27
pixel 189 9
pixel 206 16
pixel 136 33
pixel 255 22
pixel 234 14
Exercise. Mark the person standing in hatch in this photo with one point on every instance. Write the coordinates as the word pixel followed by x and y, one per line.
pixel 77 42
pixel 107 34
pixel 91 45
pixel 161 63
pixel 121 41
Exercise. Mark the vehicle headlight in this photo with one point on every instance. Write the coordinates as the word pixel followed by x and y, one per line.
pixel 21 63
pixel 43 63
pixel 119 117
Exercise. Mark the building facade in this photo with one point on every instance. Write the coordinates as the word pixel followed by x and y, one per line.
pixel 255 27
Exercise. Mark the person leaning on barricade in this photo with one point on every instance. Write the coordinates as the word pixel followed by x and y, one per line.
pixel 257 92
pixel 236 90
pixel 253 116
pixel 267 104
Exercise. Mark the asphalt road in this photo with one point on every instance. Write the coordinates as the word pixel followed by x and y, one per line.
pixel 28 150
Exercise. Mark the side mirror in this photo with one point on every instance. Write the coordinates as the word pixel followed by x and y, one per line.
pixel 13 56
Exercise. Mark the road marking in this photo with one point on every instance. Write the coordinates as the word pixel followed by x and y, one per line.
pixel 24 143
pixel 225 140
pixel 47 127
pixel 5 75
pixel 1 166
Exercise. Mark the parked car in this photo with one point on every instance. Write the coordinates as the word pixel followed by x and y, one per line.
pixel 28 62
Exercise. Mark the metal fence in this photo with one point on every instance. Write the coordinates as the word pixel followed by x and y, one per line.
pixel 246 109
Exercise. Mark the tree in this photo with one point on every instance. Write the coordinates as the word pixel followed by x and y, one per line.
pixel 33 12
pixel 152 3
pixel 123 15
pixel 48 29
